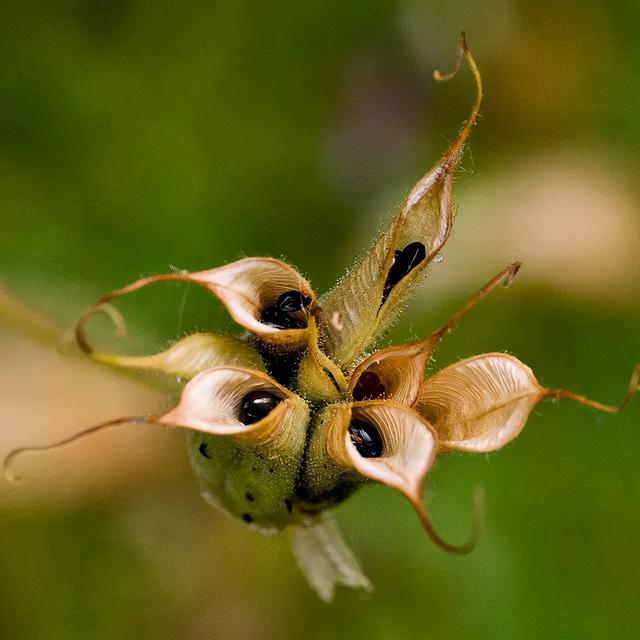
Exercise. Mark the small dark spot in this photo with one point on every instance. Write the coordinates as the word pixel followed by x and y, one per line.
pixel 254 468
pixel 272 470
pixel 289 505
pixel 247 517
pixel 204 451
pixel 324 466
pixel 249 496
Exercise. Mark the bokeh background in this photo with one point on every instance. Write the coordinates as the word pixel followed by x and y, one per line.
pixel 136 137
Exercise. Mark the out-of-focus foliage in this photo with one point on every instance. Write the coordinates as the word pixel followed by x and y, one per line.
pixel 135 136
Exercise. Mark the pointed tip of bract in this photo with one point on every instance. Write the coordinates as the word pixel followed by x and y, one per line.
pixel 464 53
pixel 477 524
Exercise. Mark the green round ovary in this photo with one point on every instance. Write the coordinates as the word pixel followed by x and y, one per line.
pixel 256 484
pixel 324 482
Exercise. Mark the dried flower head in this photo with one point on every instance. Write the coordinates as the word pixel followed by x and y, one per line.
pixel 290 418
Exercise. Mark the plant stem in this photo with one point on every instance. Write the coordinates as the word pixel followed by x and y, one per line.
pixel 27 321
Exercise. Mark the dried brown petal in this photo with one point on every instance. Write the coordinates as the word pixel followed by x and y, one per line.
pixel 336 457
pixel 211 403
pixel 395 373
pixel 248 288
pixel 409 447
pixel 481 403
pixel 400 369
pixel 369 298
pixel 190 356
pixel 404 453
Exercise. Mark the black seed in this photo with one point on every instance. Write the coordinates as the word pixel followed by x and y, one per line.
pixel 249 496
pixel 279 319
pixel 403 262
pixel 256 405
pixel 366 439
pixel 247 517
pixel 368 387
pixel 272 470
pixel 289 505
pixel 292 301
pixel 278 314
pixel 204 451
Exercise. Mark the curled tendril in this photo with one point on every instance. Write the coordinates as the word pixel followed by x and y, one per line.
pixel 632 389
pixel 464 53
pixel 477 524
pixel 8 461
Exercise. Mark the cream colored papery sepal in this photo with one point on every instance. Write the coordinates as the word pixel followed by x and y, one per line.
pixel 190 356
pixel 334 466
pixel 480 403
pixel 409 445
pixel 325 559
pixel 211 402
pixel 409 449
pixel 355 314
pixel 246 288
pixel 399 368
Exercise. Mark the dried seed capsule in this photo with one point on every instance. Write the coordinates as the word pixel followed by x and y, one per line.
pixel 403 262
pixel 256 405
pixel 366 439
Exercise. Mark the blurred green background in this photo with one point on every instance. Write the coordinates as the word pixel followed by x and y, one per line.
pixel 140 136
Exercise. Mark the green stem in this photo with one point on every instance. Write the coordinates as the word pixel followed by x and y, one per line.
pixel 30 323
pixel 38 329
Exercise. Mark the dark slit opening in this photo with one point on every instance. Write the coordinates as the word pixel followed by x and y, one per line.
pixel 404 261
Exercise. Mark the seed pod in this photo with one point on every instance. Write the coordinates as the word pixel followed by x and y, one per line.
pixel 370 297
pixel 246 442
pixel 286 422
pixel 248 288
